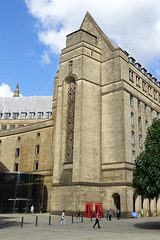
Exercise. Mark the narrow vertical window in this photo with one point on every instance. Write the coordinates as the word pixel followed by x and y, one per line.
pixel 70 121
pixel 16 167
pixel 131 76
pixel 145 109
pixel 70 66
pixel 139 122
pixel 146 124
pixel 157 114
pixel 17 152
pixel 37 149
pixel 35 165
pixel 132 118
pixel 131 100
pixel 151 113
pixel 133 157
pixel 140 140
pixel 139 105
pixel 132 135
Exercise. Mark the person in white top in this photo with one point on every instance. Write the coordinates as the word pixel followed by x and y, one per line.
pixel 63 218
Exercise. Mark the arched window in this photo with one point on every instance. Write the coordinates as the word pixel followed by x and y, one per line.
pixel 70 121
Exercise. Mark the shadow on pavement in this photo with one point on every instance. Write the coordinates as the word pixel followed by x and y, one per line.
pixel 148 225
pixel 6 222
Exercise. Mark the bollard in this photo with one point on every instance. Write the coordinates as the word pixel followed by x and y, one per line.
pixel 72 218
pixel 36 220
pixel 22 222
pixel 82 218
pixel 91 217
pixel 49 220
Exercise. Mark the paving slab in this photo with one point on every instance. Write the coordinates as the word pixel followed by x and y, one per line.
pixel 137 228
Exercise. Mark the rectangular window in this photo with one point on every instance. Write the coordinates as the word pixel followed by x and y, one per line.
pixel 48 114
pixel 155 94
pixel 131 100
pixel 31 114
pixel 145 109
pixel 15 115
pixel 132 118
pixel 3 127
pixel 137 81
pixel 35 165
pixel 131 76
pixel 139 122
pixel 150 91
pixel 146 124
pixel 139 105
pixel 40 114
pixel 7 115
pixel 133 157
pixel 23 115
pixel 17 152
pixel 144 86
pixel 37 149
pixel 132 135
pixel 16 167
pixel 140 140
pixel 157 114
pixel 151 113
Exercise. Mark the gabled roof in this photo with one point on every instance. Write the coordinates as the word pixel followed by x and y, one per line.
pixel 112 45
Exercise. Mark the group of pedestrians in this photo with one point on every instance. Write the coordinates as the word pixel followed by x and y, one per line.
pixel 32 209
pixel 97 217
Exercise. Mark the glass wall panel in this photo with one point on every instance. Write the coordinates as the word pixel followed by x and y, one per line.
pixel 18 191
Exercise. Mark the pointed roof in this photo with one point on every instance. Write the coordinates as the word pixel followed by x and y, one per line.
pixel 16 92
pixel 113 46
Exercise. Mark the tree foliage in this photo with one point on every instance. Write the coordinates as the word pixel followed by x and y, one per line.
pixel 146 173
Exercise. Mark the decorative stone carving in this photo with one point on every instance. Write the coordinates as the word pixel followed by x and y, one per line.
pixel 70 122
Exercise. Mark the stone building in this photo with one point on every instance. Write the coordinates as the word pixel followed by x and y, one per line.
pixel 103 102
pixel 26 138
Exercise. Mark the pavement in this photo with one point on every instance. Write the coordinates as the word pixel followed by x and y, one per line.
pixel 137 228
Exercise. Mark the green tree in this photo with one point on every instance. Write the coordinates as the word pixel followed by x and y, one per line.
pixel 146 173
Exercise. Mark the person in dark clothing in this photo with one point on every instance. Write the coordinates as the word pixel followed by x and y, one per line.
pixel 110 214
pixel 97 221
pixel 78 216
pixel 118 214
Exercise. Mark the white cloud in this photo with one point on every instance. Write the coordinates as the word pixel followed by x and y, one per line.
pixel 134 24
pixel 29 53
pixel 5 90
pixel 45 58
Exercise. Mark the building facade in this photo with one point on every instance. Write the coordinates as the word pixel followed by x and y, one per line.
pixel 103 102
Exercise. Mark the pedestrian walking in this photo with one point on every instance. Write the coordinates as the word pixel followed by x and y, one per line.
pixel 110 214
pixel 142 213
pixel 97 219
pixel 32 210
pixel 78 216
pixel 63 218
pixel 118 214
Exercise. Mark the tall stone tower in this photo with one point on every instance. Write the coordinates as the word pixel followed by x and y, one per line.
pixel 89 130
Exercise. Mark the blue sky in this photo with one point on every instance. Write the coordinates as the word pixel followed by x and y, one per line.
pixel 20 52
pixel 33 32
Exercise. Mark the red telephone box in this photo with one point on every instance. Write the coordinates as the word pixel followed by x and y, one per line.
pixel 98 208
pixel 89 209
